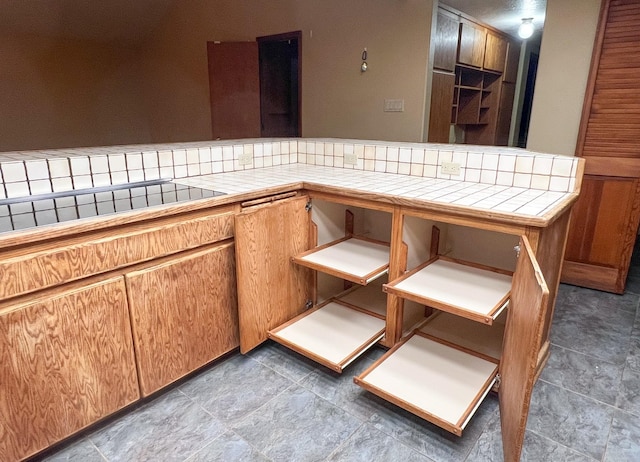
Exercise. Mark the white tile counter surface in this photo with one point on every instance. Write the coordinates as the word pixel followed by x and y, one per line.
pixel 503 181
pixel 496 198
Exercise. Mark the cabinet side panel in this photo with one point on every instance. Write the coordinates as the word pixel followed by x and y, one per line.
pixel 271 288
pixel 65 362
pixel 184 314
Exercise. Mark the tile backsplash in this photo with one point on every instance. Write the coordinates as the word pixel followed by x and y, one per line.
pixel 38 172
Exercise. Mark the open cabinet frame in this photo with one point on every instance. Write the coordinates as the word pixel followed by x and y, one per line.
pixel 273 289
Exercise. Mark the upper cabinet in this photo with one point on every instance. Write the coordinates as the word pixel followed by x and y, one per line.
pixel 473 39
pixel 495 54
pixel 473 66
pixel 446 41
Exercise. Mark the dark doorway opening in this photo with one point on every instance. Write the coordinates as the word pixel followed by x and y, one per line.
pixel 527 102
pixel 280 89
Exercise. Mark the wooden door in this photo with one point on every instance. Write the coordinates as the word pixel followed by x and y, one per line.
pixel 66 361
pixel 519 361
pixel 184 314
pixel 605 219
pixel 234 89
pixel 271 288
pixel 442 91
pixel 280 95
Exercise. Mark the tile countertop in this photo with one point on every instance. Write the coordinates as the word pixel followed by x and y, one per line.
pixel 529 205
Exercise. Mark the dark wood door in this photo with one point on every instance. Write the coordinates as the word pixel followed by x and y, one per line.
pixel 280 84
pixel 605 219
pixel 523 334
pixel 234 87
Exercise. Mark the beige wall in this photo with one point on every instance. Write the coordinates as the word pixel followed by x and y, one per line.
pixel 59 93
pixel 337 99
pixel 563 70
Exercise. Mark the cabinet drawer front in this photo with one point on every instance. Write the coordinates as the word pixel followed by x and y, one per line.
pixel 72 260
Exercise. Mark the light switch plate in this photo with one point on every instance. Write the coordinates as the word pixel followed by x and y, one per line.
pixel 393 105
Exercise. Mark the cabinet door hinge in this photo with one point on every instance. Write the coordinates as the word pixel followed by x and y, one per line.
pixel 308 206
pixel 497 382
pixel 308 305
pixel 517 250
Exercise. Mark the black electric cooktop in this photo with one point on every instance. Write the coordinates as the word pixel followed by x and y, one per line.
pixel 33 211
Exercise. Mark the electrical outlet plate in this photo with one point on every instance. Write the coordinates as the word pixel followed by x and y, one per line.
pixel 245 159
pixel 350 159
pixel 451 168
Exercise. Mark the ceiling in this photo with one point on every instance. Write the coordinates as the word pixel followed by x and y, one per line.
pixel 505 15
pixel 129 21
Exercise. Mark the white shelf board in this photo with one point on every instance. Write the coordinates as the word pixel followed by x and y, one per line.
pixel 353 256
pixel 333 332
pixel 473 289
pixel 439 380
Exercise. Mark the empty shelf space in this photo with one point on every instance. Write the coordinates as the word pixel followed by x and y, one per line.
pixel 370 298
pixel 354 259
pixel 436 382
pixel 332 334
pixel 467 290
pixel 468 334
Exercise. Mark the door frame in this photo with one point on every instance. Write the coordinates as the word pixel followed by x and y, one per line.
pixel 295 35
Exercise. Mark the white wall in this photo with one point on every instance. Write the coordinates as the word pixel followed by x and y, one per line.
pixel 563 71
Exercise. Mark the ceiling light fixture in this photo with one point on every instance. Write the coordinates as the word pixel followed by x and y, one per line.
pixel 526 28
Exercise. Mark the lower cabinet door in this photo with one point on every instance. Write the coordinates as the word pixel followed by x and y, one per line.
pixel 66 360
pixel 184 314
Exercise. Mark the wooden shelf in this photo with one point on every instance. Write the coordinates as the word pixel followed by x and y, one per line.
pixel 355 259
pixel 332 334
pixel 439 383
pixel 475 292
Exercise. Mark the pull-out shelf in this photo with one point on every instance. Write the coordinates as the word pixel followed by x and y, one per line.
pixel 472 291
pixel 332 334
pixel 355 259
pixel 437 382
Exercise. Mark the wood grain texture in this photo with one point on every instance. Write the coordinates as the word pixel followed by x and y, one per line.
pixel 442 85
pixel 271 288
pixel 40 266
pixel 495 55
pixel 611 117
pixel 446 41
pixel 472 44
pixel 549 248
pixel 65 362
pixel 519 361
pixel 183 314
pixel 603 231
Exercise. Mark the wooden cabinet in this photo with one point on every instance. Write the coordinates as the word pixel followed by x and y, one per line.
pixel 495 55
pixel 471 49
pixel 271 289
pixel 66 361
pixel 478 325
pixel 445 41
pixel 469 93
pixel 183 313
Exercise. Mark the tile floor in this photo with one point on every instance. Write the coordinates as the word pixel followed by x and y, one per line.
pixel 273 405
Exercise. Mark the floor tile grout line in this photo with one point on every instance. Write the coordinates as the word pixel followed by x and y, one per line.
pixel 586 354
pixel 562 445
pixel 345 441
